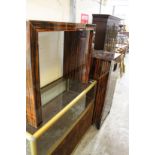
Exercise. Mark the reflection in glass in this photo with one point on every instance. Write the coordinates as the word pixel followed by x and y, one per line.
pixel 50 56
pixel 55 134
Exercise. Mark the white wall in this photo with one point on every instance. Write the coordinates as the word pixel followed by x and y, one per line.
pixel 87 6
pixel 121 9
pixel 108 9
pixel 59 10
pixel 50 44
pixel 55 10
pixel 50 56
pixel 122 12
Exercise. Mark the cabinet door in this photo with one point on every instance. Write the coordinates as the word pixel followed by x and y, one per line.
pixel 100 98
pixel 100 33
pixel 111 35
pixel 110 89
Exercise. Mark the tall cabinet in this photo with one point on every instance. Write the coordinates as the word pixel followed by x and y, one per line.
pixel 104 67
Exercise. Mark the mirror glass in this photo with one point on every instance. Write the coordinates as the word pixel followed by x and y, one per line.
pixel 51 64
pixel 50 56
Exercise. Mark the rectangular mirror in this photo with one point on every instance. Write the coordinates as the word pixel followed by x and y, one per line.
pixel 50 56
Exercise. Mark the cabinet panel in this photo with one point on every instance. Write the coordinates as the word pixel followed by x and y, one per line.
pixel 104 69
pixel 106 32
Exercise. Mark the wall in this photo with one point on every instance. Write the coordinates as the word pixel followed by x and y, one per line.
pixel 120 9
pixel 60 10
pixel 122 12
pixel 50 56
pixel 87 6
pixel 113 7
pixel 50 44
pixel 55 10
pixel 108 9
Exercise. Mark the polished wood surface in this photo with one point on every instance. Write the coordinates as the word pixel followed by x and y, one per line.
pixel 100 99
pixel 42 26
pixel 103 70
pixel 33 99
pixel 106 31
pixel 77 57
pixel 100 72
pixel 104 55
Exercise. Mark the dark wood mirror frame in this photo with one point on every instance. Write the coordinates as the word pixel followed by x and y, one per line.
pixel 33 97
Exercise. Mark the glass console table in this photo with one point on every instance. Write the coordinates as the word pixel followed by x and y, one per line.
pixel 62 111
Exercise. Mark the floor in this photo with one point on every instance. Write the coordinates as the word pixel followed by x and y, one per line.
pixel 112 138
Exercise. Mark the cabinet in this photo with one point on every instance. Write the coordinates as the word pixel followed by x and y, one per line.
pixel 58 112
pixel 104 69
pixel 107 27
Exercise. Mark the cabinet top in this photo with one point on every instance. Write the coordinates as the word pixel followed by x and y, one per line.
pixel 41 26
pixel 103 55
pixel 105 16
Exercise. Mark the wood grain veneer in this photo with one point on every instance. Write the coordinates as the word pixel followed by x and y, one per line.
pixel 77 57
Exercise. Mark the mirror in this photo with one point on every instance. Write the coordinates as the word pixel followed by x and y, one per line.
pixel 51 64
pixel 50 56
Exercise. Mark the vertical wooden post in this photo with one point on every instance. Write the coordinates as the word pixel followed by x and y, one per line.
pixel 77 55
pixel 33 99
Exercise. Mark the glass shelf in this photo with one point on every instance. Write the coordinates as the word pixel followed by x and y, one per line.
pixel 55 134
pixel 68 91
pixel 57 98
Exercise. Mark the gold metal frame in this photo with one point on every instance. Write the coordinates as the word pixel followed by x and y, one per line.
pixel 33 138
pixel 55 145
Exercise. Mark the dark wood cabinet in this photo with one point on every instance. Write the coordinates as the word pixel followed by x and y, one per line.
pixel 60 112
pixel 104 69
pixel 106 31
pixel 76 60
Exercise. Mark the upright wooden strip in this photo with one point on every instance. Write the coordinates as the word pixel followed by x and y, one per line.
pixel 33 100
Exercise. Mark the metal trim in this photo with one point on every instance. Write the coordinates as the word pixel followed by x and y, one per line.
pixel 44 128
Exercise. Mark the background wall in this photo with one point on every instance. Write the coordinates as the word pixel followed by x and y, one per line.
pixel 63 10
pixel 88 7
pixel 67 11
pixel 120 8
pixel 50 56
pixel 55 10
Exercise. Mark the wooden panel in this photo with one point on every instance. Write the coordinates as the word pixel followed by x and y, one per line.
pixel 100 98
pixel 78 48
pixel 103 70
pixel 89 55
pixel 99 68
pixel 33 99
pixel 77 55
pixel 100 34
pixel 104 31
pixel 69 143
pixel 42 26
pixel 100 71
